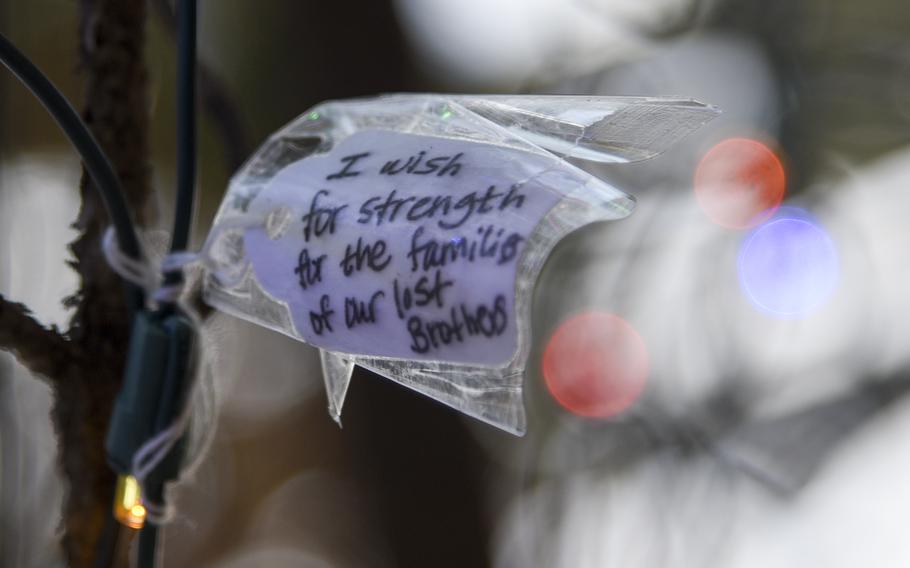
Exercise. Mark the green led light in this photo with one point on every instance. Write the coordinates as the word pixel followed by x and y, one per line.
pixel 446 114
pixel 313 115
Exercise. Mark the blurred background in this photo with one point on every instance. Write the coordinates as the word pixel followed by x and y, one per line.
pixel 757 297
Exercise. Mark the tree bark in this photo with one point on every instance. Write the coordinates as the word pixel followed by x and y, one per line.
pixel 112 44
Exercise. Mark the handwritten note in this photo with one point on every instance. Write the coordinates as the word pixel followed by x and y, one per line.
pixel 405 233
pixel 402 246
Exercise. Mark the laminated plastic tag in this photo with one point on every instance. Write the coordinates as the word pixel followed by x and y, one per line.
pixel 405 233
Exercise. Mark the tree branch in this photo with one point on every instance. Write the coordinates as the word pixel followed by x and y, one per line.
pixel 43 351
pixel 112 47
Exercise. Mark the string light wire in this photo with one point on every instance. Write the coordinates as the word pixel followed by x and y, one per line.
pixel 110 189
pixel 96 162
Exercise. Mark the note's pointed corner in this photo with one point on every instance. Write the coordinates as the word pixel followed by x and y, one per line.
pixel 336 372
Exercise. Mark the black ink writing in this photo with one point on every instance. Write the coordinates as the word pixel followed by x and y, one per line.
pixel 309 270
pixel 436 222
pixel 390 206
pixel 427 253
pixel 348 164
pixel 320 219
pixel 426 291
pixel 461 323
pixel 357 311
pixel 440 165
pixel 322 320
pixel 387 208
pixel 375 256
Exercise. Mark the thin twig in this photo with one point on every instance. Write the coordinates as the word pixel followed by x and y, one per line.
pixel 42 350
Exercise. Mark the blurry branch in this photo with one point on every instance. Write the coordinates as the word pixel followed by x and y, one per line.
pixel 786 452
pixel 43 351
pixel 215 98
pixel 85 365
pixel 112 50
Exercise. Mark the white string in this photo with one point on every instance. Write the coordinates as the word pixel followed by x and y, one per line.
pixel 145 273
pixel 147 457
pixel 201 410
pixel 204 413
pixel 149 276
pixel 150 455
pixel 138 272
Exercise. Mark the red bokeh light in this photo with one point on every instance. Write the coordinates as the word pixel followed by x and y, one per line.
pixel 739 183
pixel 595 365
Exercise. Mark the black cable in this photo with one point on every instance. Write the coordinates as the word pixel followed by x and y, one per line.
pixel 186 130
pixel 93 157
pixel 183 212
pixel 186 123
pixel 106 547
pixel 148 541
pixel 96 163
pixel 105 181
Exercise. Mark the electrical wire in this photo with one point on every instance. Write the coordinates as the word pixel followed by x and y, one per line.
pixel 148 543
pixel 93 157
pixel 186 124
pixel 106 548
pixel 186 135
pixel 183 212
pixel 106 182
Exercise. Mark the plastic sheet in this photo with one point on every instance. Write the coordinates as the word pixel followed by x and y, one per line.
pixel 405 233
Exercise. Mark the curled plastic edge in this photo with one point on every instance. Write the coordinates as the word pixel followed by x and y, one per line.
pixel 603 129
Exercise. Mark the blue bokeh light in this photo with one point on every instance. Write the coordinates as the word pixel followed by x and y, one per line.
pixel 789 265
